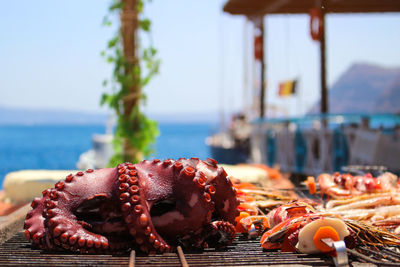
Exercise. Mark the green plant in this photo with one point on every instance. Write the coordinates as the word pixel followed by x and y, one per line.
pixel 135 134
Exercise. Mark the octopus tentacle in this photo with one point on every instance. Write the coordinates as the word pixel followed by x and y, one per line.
pixel 217 234
pixel 226 232
pixel 34 222
pixel 223 194
pixel 65 198
pixel 148 185
pixel 135 211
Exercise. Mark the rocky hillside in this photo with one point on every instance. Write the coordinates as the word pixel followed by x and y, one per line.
pixel 365 88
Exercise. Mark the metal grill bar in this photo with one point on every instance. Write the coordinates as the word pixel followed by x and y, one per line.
pixel 383 257
pixel 243 252
pixel 18 252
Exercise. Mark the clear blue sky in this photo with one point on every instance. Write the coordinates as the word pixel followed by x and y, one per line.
pixel 50 54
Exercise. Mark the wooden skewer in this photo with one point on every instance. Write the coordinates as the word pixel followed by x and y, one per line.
pixel 182 257
pixel 132 259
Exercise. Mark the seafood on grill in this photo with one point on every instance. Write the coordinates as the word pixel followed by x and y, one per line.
pixel 152 206
pixel 304 232
pixel 254 225
pixel 379 209
pixel 346 185
pixel 287 221
pixel 302 223
pixel 363 198
pixel 287 211
pixel 256 200
pixel 391 223
pixel 364 201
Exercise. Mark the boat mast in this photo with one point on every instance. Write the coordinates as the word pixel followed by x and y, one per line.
pixel 245 68
pixel 324 89
pixel 262 93
pixel 259 56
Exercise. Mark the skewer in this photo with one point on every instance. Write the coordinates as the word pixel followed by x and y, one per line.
pixel 182 257
pixel 264 193
pixel 132 259
pixel 341 258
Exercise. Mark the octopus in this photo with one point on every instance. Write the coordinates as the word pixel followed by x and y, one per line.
pixel 152 206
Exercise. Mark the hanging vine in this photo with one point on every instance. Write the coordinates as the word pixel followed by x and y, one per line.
pixel 135 134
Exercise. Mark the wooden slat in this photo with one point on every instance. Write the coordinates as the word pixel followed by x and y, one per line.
pixel 262 7
pixel 13 223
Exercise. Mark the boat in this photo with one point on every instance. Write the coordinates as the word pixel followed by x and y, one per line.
pixel 231 146
pixel 101 152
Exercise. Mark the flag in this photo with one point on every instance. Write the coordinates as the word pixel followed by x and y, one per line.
pixel 287 88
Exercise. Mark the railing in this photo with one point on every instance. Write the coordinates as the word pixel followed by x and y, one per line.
pixel 315 144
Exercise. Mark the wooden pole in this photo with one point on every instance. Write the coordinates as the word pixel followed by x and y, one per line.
pixel 262 93
pixel 324 89
pixel 259 55
pixel 129 33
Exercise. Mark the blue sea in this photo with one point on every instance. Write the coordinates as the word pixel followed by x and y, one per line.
pixel 59 146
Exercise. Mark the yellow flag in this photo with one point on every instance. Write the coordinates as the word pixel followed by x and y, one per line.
pixel 287 88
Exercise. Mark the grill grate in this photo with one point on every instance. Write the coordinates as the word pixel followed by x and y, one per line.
pixel 17 252
pixel 380 257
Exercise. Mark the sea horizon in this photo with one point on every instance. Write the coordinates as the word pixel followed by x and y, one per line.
pixel 58 147
pixel 39 116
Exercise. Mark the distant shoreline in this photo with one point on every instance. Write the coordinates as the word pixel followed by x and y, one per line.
pixel 21 116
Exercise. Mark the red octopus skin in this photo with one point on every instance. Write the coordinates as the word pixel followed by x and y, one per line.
pixel 34 222
pixel 110 210
pixel 225 194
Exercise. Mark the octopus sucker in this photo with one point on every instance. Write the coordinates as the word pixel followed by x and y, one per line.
pixel 151 206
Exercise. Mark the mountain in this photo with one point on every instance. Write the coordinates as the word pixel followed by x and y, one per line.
pixel 390 98
pixel 365 88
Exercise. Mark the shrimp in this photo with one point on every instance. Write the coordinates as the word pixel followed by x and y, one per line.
pixel 347 186
pixel 386 200
pixel 339 202
pixel 388 181
pixel 288 210
pixel 328 186
pixel 370 214
pixel 389 223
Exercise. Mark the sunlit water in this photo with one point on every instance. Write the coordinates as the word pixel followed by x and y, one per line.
pixel 58 147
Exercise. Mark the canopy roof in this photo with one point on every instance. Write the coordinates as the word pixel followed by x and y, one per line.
pixel 262 7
